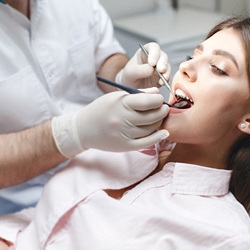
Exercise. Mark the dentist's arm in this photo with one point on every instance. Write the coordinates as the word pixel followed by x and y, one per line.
pixel 109 70
pixel 27 154
pixel 115 122
pixel 129 122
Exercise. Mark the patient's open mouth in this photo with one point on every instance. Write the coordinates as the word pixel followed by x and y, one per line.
pixel 182 100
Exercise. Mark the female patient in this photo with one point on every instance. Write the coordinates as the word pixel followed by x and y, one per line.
pixel 185 202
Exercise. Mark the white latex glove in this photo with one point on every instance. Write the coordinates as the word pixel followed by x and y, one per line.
pixel 114 122
pixel 139 72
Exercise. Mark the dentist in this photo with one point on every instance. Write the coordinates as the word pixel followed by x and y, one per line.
pixel 52 108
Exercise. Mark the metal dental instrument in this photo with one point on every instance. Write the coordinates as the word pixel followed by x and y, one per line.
pixel 159 73
pixel 136 91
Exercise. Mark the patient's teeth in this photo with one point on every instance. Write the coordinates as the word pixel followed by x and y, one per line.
pixel 180 93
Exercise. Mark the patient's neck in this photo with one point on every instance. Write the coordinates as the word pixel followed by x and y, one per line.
pixel 209 155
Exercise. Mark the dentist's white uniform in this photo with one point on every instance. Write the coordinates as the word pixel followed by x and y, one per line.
pixel 48 66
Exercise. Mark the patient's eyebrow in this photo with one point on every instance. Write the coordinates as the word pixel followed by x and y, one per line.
pixel 226 54
pixel 221 53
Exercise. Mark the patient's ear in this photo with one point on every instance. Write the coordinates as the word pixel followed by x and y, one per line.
pixel 244 125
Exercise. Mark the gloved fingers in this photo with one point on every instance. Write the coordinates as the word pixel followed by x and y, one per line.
pixel 141 71
pixel 164 68
pixel 168 72
pixel 162 63
pixel 135 132
pixel 167 77
pixel 149 140
pixel 133 73
pixel 154 53
pixel 143 101
pixel 152 90
pixel 148 117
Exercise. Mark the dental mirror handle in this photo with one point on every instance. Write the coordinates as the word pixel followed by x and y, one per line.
pixel 123 87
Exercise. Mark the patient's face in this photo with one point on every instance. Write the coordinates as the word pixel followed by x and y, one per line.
pixel 215 78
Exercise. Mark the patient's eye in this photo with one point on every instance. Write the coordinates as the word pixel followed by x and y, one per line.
pixel 218 71
pixel 188 57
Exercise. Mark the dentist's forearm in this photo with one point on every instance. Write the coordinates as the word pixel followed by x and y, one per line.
pixel 110 68
pixel 27 154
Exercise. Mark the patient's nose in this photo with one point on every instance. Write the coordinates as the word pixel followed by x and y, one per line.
pixel 187 69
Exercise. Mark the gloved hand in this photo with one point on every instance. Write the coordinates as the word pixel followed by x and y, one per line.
pixel 114 122
pixel 139 72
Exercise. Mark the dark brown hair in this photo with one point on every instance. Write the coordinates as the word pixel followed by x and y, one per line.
pixel 239 162
pixel 239 155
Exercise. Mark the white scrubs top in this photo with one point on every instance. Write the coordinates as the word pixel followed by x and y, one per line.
pixel 48 66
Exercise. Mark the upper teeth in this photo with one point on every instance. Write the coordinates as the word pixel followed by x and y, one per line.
pixel 180 93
